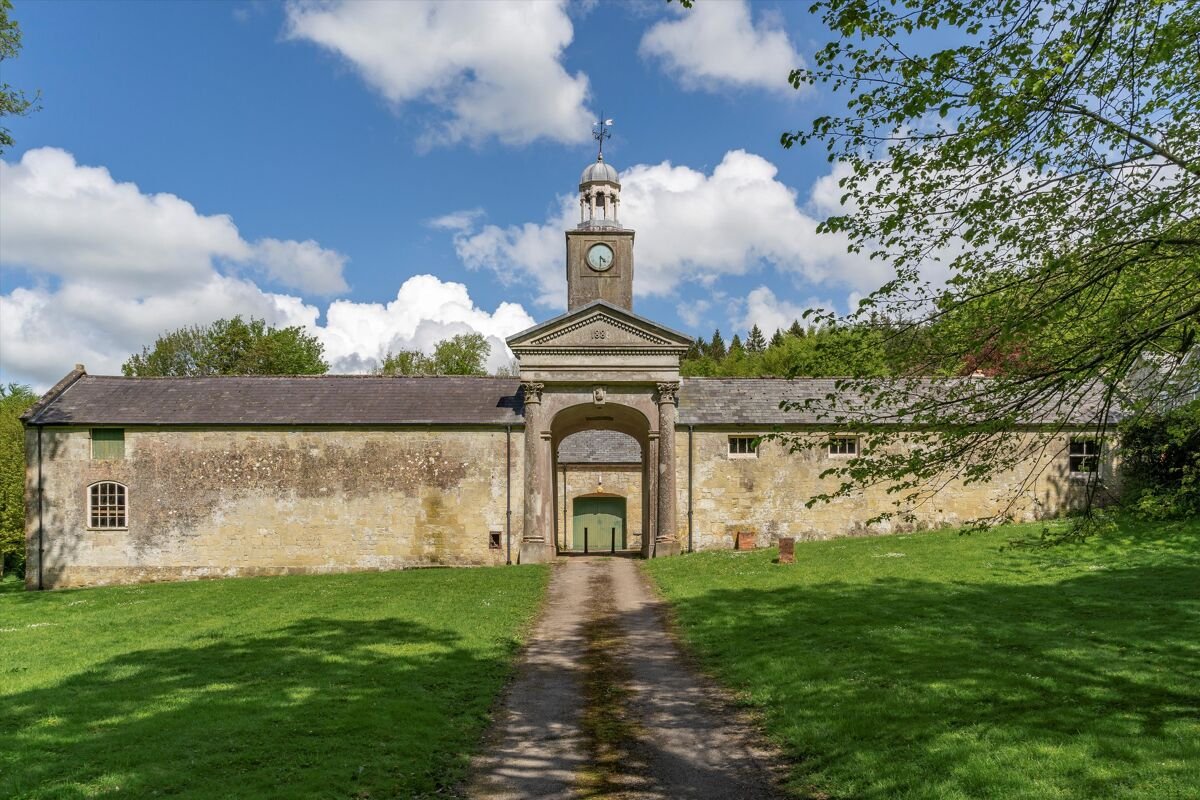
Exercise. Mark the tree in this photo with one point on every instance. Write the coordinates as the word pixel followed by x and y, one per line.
pixel 510 369
pixel 716 347
pixel 755 343
pixel 777 338
pixel 464 354
pixel 796 329
pixel 14 401
pixel 1046 155
pixel 406 362
pixel 230 347
pixel 13 102
pixel 830 351
pixel 1160 454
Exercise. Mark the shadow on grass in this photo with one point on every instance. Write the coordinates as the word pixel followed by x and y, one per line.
pixel 1089 687
pixel 321 708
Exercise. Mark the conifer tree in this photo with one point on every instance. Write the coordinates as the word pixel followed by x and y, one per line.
pixel 777 338
pixel 735 346
pixel 796 330
pixel 716 348
pixel 755 343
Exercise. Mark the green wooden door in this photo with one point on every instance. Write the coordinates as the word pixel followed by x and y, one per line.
pixel 599 524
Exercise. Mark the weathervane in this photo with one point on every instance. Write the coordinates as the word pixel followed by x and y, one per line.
pixel 600 133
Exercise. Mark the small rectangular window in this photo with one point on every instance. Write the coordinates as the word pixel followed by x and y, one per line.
pixel 494 540
pixel 108 443
pixel 743 446
pixel 843 446
pixel 106 505
pixel 1084 456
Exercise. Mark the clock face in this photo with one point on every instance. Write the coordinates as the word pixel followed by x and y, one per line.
pixel 600 257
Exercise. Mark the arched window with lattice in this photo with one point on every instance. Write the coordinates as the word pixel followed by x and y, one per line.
pixel 107 505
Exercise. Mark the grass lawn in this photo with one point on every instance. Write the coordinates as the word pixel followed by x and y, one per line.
pixel 345 686
pixel 938 666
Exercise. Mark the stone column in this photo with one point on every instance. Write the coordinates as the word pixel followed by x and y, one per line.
pixel 667 541
pixel 537 544
pixel 650 490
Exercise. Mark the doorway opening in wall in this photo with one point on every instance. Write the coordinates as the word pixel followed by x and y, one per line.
pixel 600 493
pixel 598 524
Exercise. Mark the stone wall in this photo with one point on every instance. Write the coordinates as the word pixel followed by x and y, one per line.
pixel 224 502
pixel 235 501
pixel 765 495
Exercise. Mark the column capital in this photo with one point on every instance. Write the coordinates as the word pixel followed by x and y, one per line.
pixel 668 392
pixel 533 391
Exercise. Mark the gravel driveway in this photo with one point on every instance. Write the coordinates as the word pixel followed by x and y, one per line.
pixel 604 705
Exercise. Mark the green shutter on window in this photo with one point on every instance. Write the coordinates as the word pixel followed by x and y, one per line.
pixel 108 443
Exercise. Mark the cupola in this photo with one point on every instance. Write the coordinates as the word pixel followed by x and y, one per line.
pixel 599 196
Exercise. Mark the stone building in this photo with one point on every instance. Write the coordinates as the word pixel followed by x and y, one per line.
pixel 598 446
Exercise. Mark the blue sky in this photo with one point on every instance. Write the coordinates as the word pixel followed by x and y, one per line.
pixel 392 173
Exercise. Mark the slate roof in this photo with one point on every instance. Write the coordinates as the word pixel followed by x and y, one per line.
pixel 746 401
pixel 81 399
pixel 755 401
pixel 599 447
pixel 284 400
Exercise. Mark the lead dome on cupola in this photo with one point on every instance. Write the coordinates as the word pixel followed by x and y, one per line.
pixel 598 172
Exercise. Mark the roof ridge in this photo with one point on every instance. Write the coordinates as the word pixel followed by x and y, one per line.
pixel 53 393
pixel 336 375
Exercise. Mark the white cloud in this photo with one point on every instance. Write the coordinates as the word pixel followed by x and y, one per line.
pixel 770 313
pixel 77 223
pixel 692 312
pixel 492 69
pixel 457 220
pixel 825 198
pixel 718 44
pixel 303 265
pixel 690 227
pixel 44 331
pixel 115 268
pixel 426 310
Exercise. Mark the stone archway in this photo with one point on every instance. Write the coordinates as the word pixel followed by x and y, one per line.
pixel 555 411
pixel 597 464
pixel 599 366
pixel 610 416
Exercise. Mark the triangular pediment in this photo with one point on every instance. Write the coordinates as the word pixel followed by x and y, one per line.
pixel 599 325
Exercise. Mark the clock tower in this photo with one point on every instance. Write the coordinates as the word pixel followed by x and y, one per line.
pixel 599 250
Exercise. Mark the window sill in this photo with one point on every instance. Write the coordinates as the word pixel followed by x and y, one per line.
pixel 742 456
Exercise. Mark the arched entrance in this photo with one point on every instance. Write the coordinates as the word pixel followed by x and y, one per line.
pixel 599 472
pixel 599 520
pixel 599 367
